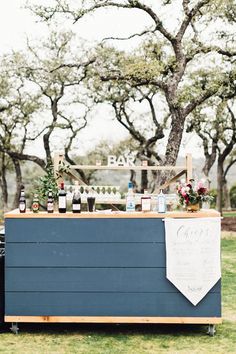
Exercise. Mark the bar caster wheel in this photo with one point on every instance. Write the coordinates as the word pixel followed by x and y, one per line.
pixel 14 328
pixel 211 330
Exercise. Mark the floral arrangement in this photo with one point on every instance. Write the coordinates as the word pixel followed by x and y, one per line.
pixel 193 194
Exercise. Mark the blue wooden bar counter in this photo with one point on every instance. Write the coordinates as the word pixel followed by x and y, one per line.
pixel 94 267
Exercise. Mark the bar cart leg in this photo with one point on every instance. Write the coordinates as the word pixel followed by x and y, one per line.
pixel 14 327
pixel 211 330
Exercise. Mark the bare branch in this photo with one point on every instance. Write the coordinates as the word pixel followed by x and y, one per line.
pixel 189 16
pixel 73 65
pixel 131 36
pixel 130 4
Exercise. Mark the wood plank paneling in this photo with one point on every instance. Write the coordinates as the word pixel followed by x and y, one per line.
pixel 109 304
pixel 85 230
pixel 90 280
pixel 85 255
pixel 112 319
pixel 113 215
pixel 95 266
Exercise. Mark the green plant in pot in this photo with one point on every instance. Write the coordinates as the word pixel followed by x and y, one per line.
pixel 46 183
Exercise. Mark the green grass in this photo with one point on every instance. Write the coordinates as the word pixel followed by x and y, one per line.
pixel 135 339
pixel 229 214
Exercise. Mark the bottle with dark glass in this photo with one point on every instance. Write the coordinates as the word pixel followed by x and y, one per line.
pixel 22 201
pixel 50 202
pixel 91 200
pixel 76 201
pixel 35 204
pixel 62 199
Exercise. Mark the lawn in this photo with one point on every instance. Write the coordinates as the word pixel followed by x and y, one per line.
pixel 229 214
pixel 104 339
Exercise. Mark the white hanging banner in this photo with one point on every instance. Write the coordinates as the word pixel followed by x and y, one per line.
pixel 193 255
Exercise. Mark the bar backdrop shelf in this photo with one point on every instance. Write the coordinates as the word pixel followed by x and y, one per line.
pixel 96 267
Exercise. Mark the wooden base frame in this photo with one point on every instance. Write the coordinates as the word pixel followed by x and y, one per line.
pixel 116 319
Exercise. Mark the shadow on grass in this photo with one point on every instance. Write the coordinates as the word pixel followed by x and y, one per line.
pixel 107 329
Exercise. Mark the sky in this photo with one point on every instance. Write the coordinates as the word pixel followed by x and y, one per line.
pixel 17 23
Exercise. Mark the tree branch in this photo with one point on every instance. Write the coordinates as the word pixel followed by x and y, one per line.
pixel 130 4
pixel 25 157
pixel 131 36
pixel 198 101
pixel 189 15
pixel 73 65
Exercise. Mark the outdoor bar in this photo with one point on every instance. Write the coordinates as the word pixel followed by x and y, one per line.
pixel 100 267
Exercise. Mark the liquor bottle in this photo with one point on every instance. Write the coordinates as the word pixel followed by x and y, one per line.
pixel 76 200
pixel 62 199
pixel 50 202
pixel 22 201
pixel 146 201
pixel 35 204
pixel 130 198
pixel 161 200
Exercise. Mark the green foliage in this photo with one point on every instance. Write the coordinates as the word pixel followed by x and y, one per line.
pixel 213 193
pixel 232 195
pixel 225 9
pixel 46 182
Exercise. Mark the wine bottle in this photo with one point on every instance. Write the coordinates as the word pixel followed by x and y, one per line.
pixel 22 201
pixel 50 202
pixel 76 200
pixel 62 199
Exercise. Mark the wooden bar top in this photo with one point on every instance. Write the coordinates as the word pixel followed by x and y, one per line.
pixel 114 214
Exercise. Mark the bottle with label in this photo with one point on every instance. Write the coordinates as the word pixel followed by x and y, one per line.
pixel 22 201
pixel 76 200
pixel 146 202
pixel 161 202
pixel 130 198
pixel 50 202
pixel 35 204
pixel 62 199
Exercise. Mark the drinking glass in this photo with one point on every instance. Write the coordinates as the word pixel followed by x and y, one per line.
pixel 91 201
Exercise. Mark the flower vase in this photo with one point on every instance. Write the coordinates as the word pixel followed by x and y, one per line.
pixel 206 205
pixel 193 207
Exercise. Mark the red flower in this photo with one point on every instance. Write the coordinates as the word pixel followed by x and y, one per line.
pixel 186 199
pixel 202 190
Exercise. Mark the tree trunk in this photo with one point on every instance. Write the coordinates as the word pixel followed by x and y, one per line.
pixel 47 149
pixel 18 183
pixel 144 180
pixel 220 182
pixel 173 144
pixel 144 173
pixel 227 203
pixel 133 179
pixel 3 183
pixel 210 158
